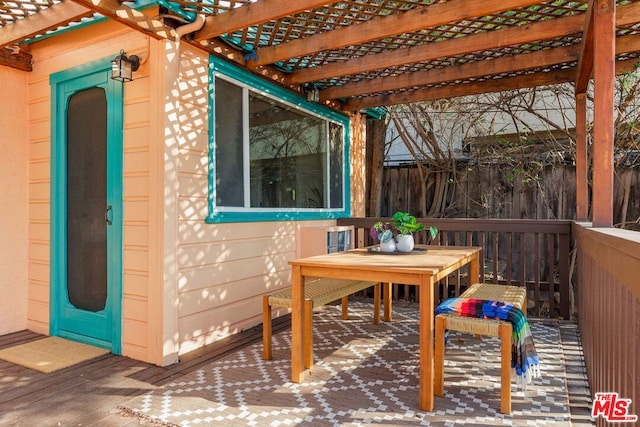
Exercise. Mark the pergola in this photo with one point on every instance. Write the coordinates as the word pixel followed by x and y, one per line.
pixel 352 56
pixel 360 54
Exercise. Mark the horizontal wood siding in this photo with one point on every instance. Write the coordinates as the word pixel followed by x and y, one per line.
pixel 223 269
pixel 609 311
pixel 140 152
pixel 14 186
pixel 39 203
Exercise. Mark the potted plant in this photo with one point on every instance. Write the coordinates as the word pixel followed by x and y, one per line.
pixel 383 232
pixel 404 226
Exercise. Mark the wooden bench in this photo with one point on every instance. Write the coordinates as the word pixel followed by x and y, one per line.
pixel 317 293
pixel 514 295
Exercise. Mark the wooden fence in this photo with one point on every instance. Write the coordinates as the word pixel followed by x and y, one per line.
pixel 609 311
pixel 495 191
pixel 530 253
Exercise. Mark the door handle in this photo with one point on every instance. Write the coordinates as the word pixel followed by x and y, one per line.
pixel 108 215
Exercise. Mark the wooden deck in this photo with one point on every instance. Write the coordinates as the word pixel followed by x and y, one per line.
pixel 89 393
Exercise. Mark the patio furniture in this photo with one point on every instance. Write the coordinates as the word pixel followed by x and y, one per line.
pixel 423 267
pixel 514 295
pixel 317 293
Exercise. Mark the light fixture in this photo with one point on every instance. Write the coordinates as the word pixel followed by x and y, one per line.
pixel 122 67
pixel 311 91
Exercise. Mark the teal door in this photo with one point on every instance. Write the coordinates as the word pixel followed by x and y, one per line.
pixel 86 177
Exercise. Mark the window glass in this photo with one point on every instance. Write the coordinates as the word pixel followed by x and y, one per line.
pixel 228 142
pixel 336 174
pixel 274 155
pixel 288 155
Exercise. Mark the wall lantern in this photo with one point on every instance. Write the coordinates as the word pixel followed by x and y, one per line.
pixel 311 91
pixel 122 67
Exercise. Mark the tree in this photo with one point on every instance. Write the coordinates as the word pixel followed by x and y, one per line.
pixel 521 132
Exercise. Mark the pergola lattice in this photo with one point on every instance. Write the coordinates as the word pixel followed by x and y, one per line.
pixel 369 53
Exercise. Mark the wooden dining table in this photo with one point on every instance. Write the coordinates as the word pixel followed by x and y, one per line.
pixel 424 267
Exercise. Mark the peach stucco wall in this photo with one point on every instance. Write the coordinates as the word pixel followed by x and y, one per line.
pixel 14 163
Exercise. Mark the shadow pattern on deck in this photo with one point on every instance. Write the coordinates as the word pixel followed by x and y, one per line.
pixel 90 393
pixel 368 374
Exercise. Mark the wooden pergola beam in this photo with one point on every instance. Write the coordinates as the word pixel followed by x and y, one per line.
pixel 129 17
pixel 253 14
pixel 429 51
pixel 16 58
pixel 47 19
pixel 542 30
pixel 38 23
pixel 487 86
pixel 489 67
pixel 379 28
pixel 544 58
pixel 585 63
pixel 454 91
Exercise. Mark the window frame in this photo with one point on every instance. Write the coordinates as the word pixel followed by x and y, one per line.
pixel 235 75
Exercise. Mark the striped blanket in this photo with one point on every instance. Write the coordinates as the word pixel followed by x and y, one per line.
pixel 524 359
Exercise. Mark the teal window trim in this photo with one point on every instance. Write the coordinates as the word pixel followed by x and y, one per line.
pixel 228 214
pixel 58 208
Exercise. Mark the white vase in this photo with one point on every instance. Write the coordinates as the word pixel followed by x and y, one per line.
pixel 405 242
pixel 389 246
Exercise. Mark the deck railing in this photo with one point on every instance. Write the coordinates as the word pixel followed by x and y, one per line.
pixel 530 253
pixel 608 298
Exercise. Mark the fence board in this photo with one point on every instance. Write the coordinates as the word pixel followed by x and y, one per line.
pixel 609 310
pixel 485 191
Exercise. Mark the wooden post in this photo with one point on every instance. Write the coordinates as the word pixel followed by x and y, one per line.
pixel 376 131
pixel 357 160
pixel 582 159
pixel 603 76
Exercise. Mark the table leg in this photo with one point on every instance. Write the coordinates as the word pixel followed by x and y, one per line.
pixel 474 270
pixel 426 343
pixel 387 301
pixel 297 325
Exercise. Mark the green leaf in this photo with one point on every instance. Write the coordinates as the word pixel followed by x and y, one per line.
pixel 433 231
pixel 386 236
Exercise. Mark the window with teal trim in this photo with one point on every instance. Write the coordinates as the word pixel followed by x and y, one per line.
pixel 273 156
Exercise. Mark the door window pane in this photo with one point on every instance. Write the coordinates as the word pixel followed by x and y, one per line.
pixel 87 199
